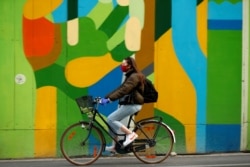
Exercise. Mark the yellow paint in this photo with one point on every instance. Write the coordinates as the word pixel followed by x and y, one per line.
pixel 133 34
pixel 123 2
pixel 190 134
pixel 137 10
pixel 73 31
pixel 176 92
pixel 77 71
pixel 202 26
pixel 45 122
pixel 34 9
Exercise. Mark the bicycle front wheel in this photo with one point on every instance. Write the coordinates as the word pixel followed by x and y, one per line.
pixel 154 143
pixel 82 145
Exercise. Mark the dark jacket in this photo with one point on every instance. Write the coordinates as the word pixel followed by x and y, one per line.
pixel 130 87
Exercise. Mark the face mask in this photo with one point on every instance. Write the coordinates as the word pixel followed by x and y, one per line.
pixel 124 68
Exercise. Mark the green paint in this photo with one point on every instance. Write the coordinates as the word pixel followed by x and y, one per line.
pixel 103 8
pixel 72 9
pixel 89 40
pixel 17 143
pixel 177 127
pixel 222 1
pixel 54 75
pixel 114 21
pixel 163 12
pixel 120 52
pixel 117 38
pixel 17 100
pixel 199 1
pixel 224 77
pixel 67 114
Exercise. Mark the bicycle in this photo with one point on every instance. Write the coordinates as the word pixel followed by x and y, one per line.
pixel 83 143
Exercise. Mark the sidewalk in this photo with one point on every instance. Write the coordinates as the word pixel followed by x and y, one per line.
pixel 131 155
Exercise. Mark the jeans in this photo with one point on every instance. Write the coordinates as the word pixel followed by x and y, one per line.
pixel 122 112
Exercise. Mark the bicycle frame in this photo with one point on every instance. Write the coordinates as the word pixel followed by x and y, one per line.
pixel 153 145
pixel 94 121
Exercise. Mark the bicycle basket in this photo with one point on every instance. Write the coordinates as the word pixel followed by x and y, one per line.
pixel 85 104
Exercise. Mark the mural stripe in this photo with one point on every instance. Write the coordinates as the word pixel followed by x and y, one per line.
pixel 104 8
pixel 225 24
pixel 191 58
pixel 133 34
pixel 72 9
pixel 162 24
pixel 60 14
pixel 224 77
pixel 86 6
pixel 177 94
pixel 225 10
pixel 145 56
pixel 115 19
pixel 45 122
pixel 73 31
pixel 136 9
pixel 202 25
pixel 223 137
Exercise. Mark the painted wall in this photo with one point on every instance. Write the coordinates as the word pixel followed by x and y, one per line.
pixel 53 51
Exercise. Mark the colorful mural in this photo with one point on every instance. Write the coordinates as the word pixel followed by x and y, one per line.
pixel 54 51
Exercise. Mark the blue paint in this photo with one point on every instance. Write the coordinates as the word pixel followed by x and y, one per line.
pixel 223 138
pixel 191 58
pixel 224 11
pixel 84 7
pixel 60 14
pixel 225 24
pixel 107 84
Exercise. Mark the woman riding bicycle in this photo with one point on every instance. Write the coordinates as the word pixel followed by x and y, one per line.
pixel 130 100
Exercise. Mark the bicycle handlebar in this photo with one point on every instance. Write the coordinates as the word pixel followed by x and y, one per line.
pixel 97 100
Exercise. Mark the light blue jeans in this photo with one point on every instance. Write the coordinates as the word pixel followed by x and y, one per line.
pixel 122 112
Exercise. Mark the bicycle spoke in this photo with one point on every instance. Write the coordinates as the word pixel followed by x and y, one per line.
pixel 79 146
pixel 154 143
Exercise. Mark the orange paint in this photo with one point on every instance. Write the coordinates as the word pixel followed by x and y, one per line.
pixel 38 37
pixel 71 135
pixel 95 151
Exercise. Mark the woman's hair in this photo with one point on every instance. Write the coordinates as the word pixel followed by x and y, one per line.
pixel 132 63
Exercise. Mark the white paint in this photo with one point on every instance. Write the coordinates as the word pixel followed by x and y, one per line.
pixel 20 79
pixel 245 73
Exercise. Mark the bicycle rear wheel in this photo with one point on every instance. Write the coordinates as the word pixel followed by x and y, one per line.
pixel 154 143
pixel 81 145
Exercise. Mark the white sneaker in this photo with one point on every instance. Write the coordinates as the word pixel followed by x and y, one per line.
pixel 110 148
pixel 130 138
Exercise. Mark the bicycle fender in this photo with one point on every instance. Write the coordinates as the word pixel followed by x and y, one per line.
pixel 172 132
pixel 150 119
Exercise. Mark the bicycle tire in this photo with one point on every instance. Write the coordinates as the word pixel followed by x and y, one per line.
pixel 81 145
pixel 160 145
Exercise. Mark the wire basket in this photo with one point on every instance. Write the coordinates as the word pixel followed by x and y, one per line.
pixel 86 104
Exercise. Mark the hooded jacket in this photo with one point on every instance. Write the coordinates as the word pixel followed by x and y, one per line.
pixel 127 92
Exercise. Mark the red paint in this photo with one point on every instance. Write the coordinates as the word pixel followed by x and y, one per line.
pixel 38 37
